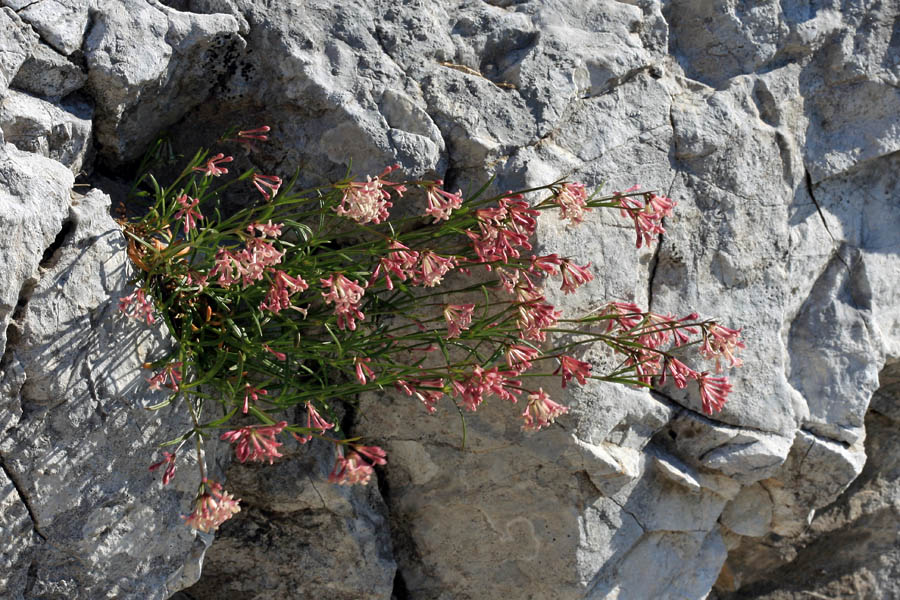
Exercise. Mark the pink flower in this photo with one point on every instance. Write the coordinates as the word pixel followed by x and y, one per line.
pixel 522 218
pixel 432 268
pixel 458 317
pixel 256 442
pixel 313 421
pixel 346 296
pixel 188 212
pixel 680 372
pixel 548 264
pixel 283 287
pixel 266 229
pixel 367 202
pixel 626 315
pixel 278 355
pixel 713 392
pixel 212 168
pixel 400 261
pixel 224 267
pixel 718 342
pixel 428 397
pixel 212 508
pixel 195 278
pixel 254 134
pixel 354 468
pixel 363 369
pixel 137 306
pixel 572 199
pixel 660 328
pixel 571 367
pixel 169 461
pixel 251 393
pixel 481 383
pixel 519 357
pixel 541 411
pixel 534 318
pixel 574 276
pixel 170 376
pixel 272 183
pixel 440 202
pixel 648 217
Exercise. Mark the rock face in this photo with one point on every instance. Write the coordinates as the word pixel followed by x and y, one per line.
pixel 774 125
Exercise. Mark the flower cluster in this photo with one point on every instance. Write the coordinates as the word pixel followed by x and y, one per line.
pixel 302 300
pixel 212 507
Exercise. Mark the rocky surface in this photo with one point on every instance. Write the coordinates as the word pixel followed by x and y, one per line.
pixel 775 126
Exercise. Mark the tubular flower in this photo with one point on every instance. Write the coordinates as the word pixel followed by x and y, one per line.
pixel 188 212
pixel 251 393
pixel 367 202
pixel 432 268
pixel 170 377
pixel 481 383
pixel 313 421
pixel 247 137
pixel 548 264
pixel 458 317
pixel 718 342
pixel 272 183
pixel 169 461
pixel 354 468
pixel 363 369
pixel 680 372
pixel 713 392
pixel 626 315
pixel 519 357
pixel 283 287
pixel 534 318
pixel 440 202
pixel 647 217
pixel 572 199
pixel 541 411
pixel 574 276
pixel 212 507
pixel 224 267
pixel 137 306
pixel 428 397
pixel 346 296
pixel 571 367
pixel 278 355
pixel 256 443
pixel 266 229
pixel 400 261
pixel 212 168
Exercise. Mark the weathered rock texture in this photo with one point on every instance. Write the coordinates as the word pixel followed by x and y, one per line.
pixel 775 125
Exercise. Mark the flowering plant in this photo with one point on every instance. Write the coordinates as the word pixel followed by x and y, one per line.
pixel 307 298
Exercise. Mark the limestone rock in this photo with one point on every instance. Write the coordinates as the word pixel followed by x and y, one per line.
pixel 16 39
pixel 75 438
pixel 48 74
pixel 35 202
pixel 61 132
pixel 329 539
pixel 60 23
pixel 148 65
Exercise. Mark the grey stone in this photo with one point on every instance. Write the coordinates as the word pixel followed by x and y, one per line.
pixel 58 131
pixel 76 439
pixel 34 202
pixel 773 125
pixel 60 23
pixel 148 65
pixel 48 74
pixel 329 538
pixel 17 40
